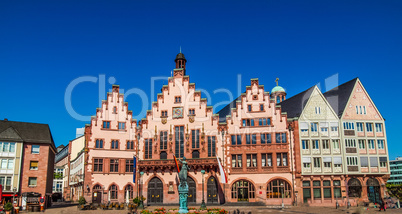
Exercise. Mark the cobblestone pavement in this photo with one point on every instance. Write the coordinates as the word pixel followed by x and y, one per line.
pixel 245 209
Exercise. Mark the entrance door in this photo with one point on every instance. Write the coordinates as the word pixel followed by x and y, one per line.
pixel 373 190
pixel 155 191
pixel 192 190
pixel 306 195
pixel 212 191
pixel 96 197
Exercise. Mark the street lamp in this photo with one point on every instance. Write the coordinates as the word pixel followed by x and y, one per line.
pixel 283 206
pixel 203 206
pixel 14 191
pixel 141 206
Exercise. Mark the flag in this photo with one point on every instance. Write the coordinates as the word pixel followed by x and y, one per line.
pixel 134 168
pixel 224 178
pixel 177 164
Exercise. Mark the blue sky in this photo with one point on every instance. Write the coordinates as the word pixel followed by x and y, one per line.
pixel 45 45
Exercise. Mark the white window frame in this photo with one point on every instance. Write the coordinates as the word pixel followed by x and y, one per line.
pixel 352 161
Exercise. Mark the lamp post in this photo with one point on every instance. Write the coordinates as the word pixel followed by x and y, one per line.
pixel 203 206
pixel 141 206
pixel 14 191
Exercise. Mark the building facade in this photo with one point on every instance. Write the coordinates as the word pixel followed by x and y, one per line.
pixel 36 167
pixel 180 123
pixel 319 155
pixel 60 175
pixel 257 148
pixel 109 150
pixel 76 169
pixel 396 171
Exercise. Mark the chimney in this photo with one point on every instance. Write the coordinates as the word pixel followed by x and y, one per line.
pixel 5 119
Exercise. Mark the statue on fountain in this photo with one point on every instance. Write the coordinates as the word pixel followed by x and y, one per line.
pixel 183 186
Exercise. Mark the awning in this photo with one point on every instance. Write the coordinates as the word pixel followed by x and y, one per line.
pixel 303 125
pixel 324 124
pixel 8 195
pixel 364 161
pixel 327 159
pixel 337 160
pixel 306 160
pixel 373 162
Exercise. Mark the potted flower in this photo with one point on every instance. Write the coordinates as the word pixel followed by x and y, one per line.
pixel 81 203
pixel 8 207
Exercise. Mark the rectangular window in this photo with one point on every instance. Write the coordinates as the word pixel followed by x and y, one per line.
pixel 249 108
pixel 254 139
pixel 4 163
pixel 248 139
pixel 99 143
pixel 265 138
pixel 383 163
pixel 261 107
pixel 266 160
pixel 33 165
pixel 114 165
pixel 177 99
pixel 305 145
pixel 378 127
pixel 317 110
pixel 130 145
pixel 334 129
pixel 380 144
pixel 327 164
pixel 350 143
pixel 195 139
pixel 317 162
pixel 148 148
pixel 130 165
pixel 317 193
pixel 114 144
pixel 163 140
pixel 122 126
pixel 335 144
pixel 32 181
pixel 211 146
pixel 359 127
pixel 191 112
pixel 106 124
pixel 369 127
pixel 306 165
pixel 316 144
pixel 35 149
pixel 236 161
pixel 325 144
pixel 164 113
pixel 281 138
pixel 179 141
pixel 362 144
pixel 281 159
pixel 351 161
pixel 10 164
pixel 348 126
pixel 327 189
pixel 12 147
pixel 314 127
pixel 98 165
pixel 251 160
pixel 371 144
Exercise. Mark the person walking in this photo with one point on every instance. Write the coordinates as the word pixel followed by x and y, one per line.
pixel 382 206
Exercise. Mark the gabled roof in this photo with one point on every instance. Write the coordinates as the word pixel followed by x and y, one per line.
pixel 294 106
pixel 338 97
pixel 27 132
pixel 227 110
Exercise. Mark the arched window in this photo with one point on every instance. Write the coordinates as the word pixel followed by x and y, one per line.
pixel 354 188
pixel 128 190
pixel 243 190
pixel 196 154
pixel 163 155
pixel 99 143
pixel 113 192
pixel 115 144
pixel 277 187
pixel 97 187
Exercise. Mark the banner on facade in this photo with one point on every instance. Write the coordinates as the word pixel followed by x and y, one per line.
pixel 177 164
pixel 224 178
pixel 134 168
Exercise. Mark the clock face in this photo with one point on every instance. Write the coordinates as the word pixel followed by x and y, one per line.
pixel 178 112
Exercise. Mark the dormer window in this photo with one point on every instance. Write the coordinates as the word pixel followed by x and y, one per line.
pixel 115 110
pixel 261 107
pixel 106 124
pixel 249 108
pixel 317 110
pixel 177 99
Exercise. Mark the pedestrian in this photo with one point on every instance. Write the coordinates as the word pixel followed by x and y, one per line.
pixel 382 206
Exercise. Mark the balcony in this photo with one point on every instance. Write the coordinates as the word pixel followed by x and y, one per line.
pixel 169 164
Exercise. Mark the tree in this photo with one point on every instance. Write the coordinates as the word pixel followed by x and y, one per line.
pixel 395 190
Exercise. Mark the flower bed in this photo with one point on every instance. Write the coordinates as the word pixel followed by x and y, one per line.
pixel 191 210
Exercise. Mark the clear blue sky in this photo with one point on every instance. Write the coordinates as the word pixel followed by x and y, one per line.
pixel 44 45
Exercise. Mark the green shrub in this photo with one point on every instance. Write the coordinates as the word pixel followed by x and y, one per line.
pixel 82 201
pixel 8 206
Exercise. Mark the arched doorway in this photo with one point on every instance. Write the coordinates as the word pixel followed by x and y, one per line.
pixel 243 190
pixel 279 189
pixel 192 190
pixel 212 191
pixel 354 188
pixel 373 190
pixel 97 194
pixel 155 191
